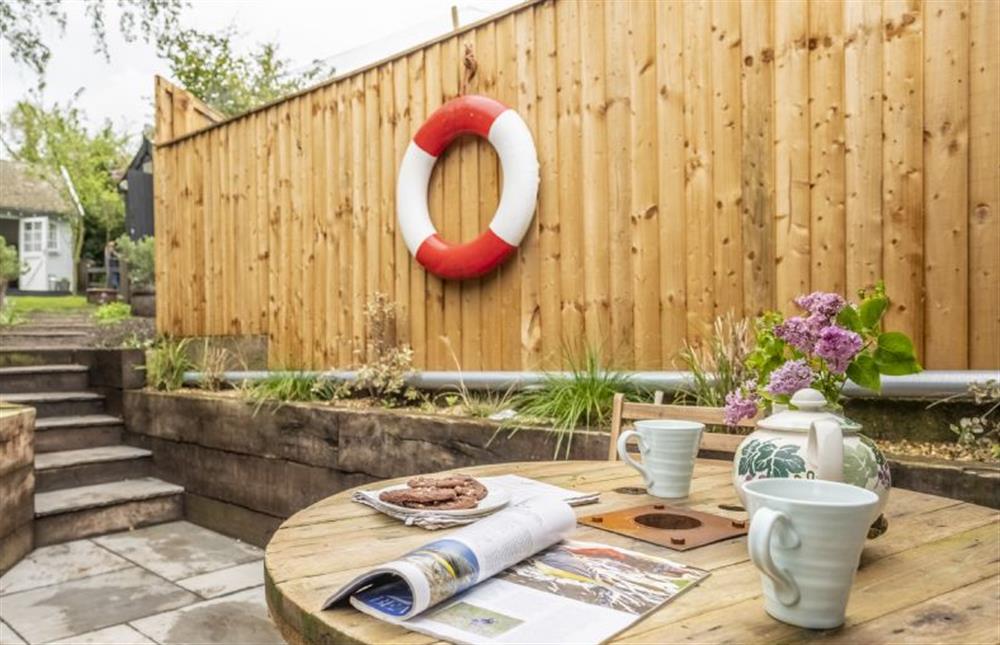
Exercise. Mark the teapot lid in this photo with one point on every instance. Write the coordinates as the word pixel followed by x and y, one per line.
pixel 807 405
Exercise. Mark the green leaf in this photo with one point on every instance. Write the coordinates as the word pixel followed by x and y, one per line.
pixel 849 318
pixel 872 310
pixel 894 355
pixel 865 372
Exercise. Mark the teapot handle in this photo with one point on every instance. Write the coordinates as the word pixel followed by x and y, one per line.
pixel 825 448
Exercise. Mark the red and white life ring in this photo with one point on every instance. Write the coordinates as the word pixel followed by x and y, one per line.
pixel 512 140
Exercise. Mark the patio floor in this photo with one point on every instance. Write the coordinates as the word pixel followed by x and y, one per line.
pixel 170 583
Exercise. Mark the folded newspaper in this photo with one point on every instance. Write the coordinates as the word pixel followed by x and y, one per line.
pixel 519 488
pixel 511 578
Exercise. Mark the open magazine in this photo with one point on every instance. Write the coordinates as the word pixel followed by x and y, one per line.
pixel 510 578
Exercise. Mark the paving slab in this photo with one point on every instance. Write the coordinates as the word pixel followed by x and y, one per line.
pixel 60 563
pixel 224 581
pixel 179 550
pixel 88 604
pixel 237 618
pixel 115 635
pixel 8 636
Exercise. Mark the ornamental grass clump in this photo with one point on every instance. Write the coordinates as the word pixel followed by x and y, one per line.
pixel 581 399
pixel 830 342
pixel 285 387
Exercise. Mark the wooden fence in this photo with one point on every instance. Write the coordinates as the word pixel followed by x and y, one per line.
pixel 696 158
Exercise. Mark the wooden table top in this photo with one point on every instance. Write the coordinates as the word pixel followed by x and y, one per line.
pixel 932 577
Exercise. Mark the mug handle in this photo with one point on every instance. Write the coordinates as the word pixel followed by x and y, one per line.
pixel 627 458
pixel 825 448
pixel 762 526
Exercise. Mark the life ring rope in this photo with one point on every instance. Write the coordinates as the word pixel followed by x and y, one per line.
pixel 511 138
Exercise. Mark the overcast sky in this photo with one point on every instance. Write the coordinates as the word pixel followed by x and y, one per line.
pixel 305 30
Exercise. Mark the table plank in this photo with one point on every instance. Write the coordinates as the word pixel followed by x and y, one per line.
pixel 935 549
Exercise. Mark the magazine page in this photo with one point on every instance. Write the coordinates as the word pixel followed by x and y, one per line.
pixel 573 592
pixel 443 568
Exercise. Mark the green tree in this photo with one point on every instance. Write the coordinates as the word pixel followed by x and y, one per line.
pixel 50 139
pixel 10 268
pixel 22 23
pixel 208 66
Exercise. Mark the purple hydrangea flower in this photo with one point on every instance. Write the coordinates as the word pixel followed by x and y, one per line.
pixel 790 378
pixel 741 403
pixel 799 332
pixel 824 306
pixel 838 346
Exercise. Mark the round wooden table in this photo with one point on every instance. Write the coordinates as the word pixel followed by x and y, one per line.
pixel 933 577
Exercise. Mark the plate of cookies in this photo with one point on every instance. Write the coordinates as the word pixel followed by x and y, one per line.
pixel 453 494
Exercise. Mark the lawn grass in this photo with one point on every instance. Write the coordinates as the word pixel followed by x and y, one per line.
pixel 26 304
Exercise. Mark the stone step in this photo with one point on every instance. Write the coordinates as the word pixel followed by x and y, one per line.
pixel 69 468
pixel 54 434
pixel 43 378
pixel 58 404
pixel 17 331
pixel 74 513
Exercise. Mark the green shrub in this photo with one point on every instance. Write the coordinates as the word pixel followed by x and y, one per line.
pixel 140 257
pixel 113 312
pixel 166 364
pixel 581 399
pixel 10 315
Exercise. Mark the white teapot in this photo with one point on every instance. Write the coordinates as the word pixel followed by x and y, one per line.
pixel 812 442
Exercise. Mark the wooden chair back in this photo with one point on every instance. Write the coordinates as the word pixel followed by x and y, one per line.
pixel 710 441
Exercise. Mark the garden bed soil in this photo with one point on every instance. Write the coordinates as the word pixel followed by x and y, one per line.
pixel 244 472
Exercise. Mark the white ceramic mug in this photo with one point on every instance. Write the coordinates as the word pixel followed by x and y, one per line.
pixel 668 449
pixel 806 537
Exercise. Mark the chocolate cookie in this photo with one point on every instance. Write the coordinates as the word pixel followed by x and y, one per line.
pixel 445 481
pixel 460 502
pixel 472 489
pixel 411 496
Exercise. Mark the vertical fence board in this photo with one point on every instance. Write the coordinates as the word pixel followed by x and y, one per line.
pixel 758 157
pixel 699 206
pixel 984 187
pixel 727 139
pixel 570 175
pixel 826 163
pixel 695 157
pixel 791 152
pixel 616 113
pixel 547 141
pixel 946 167
pixel 863 137
pixel 644 210
pixel 671 181
pixel 903 167
pixel 595 207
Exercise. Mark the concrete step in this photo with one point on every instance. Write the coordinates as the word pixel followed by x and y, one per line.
pixel 54 434
pixel 58 404
pixel 69 468
pixel 74 513
pixel 28 332
pixel 43 378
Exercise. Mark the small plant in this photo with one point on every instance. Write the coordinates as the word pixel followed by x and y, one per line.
pixel 10 268
pixel 832 342
pixel 480 405
pixel 983 430
pixel 718 364
pixel 113 312
pixel 139 256
pixel 284 387
pixel 581 399
pixel 383 376
pixel 212 366
pixel 10 315
pixel 166 363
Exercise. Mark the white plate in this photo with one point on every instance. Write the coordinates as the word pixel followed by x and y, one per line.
pixel 496 498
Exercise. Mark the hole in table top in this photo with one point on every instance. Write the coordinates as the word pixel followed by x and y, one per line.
pixel 668 521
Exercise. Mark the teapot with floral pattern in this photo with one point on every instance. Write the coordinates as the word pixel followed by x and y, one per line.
pixel 805 440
